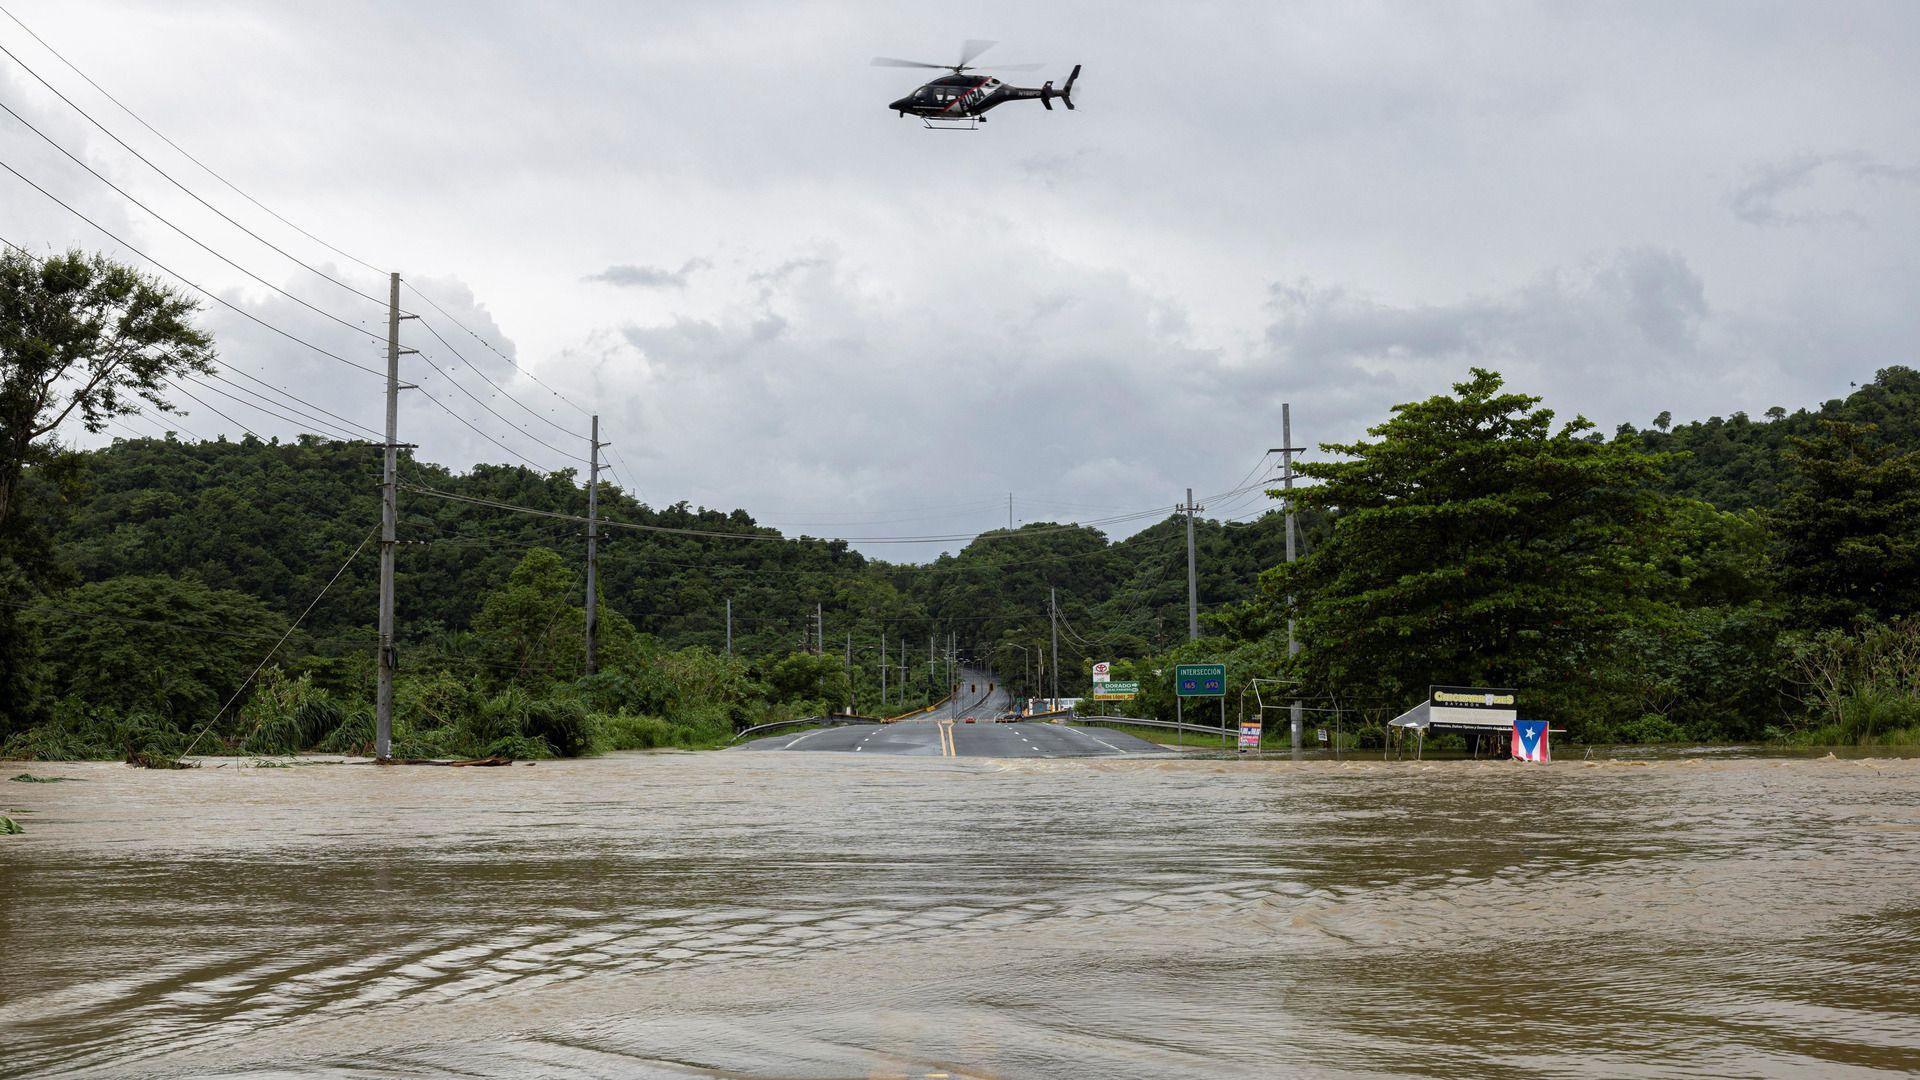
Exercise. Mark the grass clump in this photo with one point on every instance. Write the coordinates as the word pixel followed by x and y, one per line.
pixel 624 731
pixel 9 827
pixel 29 778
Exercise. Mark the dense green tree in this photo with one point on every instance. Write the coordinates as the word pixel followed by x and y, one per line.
pixel 536 622
pixel 1474 543
pixel 82 336
pixel 169 647
pixel 1849 525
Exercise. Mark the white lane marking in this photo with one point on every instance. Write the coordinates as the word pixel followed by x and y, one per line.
pixel 1095 738
pixel 803 738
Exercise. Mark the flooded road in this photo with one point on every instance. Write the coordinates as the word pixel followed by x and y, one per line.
pixel 842 915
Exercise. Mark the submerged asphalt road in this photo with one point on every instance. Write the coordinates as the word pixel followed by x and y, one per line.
pixel 949 738
pixel 946 733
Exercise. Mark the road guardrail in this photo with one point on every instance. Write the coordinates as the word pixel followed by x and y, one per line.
pixel 1165 725
pixel 823 721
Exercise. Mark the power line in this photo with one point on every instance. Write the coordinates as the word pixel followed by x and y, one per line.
pixel 177 147
pixel 319 428
pixel 494 413
pixel 176 183
pixel 169 177
pixel 168 222
pixel 489 346
pixel 235 370
pixel 300 400
pixel 471 366
pixel 242 688
pixel 711 534
pixel 216 298
pixel 471 426
pixel 189 396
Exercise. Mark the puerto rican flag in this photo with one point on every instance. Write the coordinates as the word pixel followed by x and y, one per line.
pixel 1530 740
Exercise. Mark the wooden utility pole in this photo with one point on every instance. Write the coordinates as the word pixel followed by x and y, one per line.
pixel 1054 623
pixel 1193 579
pixel 389 522
pixel 593 548
pixel 1286 451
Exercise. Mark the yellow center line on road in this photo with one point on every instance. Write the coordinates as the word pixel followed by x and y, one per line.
pixel 946 738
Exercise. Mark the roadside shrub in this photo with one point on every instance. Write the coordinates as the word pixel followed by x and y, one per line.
pixel 624 731
pixel 78 731
pixel 562 724
pixel 500 717
pixel 1879 711
pixel 353 735
pixel 518 747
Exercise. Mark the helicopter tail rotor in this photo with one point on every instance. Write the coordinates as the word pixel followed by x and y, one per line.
pixel 1066 92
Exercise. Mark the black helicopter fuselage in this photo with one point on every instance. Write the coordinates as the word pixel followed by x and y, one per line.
pixel 963 96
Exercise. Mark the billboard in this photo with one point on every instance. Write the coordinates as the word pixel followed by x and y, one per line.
pixel 1472 706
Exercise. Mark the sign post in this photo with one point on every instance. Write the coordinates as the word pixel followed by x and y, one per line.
pixel 1249 735
pixel 1200 681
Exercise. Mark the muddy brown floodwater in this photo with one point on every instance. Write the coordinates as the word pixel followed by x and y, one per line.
pixel 819 915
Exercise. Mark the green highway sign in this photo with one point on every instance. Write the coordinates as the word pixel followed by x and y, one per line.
pixel 1200 680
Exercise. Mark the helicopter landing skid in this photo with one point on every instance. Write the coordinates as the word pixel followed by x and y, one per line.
pixel 970 123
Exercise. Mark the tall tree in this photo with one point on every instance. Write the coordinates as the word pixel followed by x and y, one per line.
pixel 1473 543
pixel 83 336
pixel 1850 526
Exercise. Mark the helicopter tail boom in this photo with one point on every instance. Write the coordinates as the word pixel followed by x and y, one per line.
pixel 1065 93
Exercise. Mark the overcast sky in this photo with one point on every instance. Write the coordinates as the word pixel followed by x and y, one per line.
pixel 700 221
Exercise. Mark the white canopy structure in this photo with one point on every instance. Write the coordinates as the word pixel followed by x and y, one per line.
pixel 1471 709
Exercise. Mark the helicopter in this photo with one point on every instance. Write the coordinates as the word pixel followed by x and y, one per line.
pixel 960 101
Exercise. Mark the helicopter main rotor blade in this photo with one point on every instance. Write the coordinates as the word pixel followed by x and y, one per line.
pixel 1009 67
pixel 888 61
pixel 971 49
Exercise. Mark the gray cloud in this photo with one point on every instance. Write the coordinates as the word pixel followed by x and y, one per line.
pixel 1758 201
pixel 1336 206
pixel 649 277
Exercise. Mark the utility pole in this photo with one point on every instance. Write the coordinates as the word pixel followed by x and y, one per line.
pixel 933 680
pixel 883 668
pixel 729 626
pixel 1286 451
pixel 593 549
pixel 389 521
pixel 1054 623
pixel 1193 580
pixel 850 699
pixel 1009 511
pixel 819 632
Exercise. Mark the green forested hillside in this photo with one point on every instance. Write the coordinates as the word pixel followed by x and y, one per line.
pixel 1739 463
pixel 1684 581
